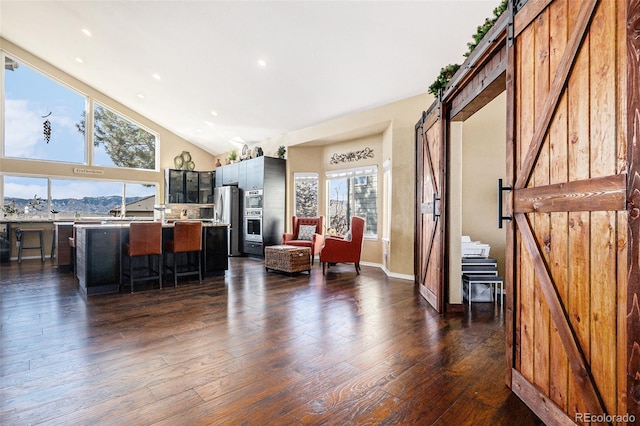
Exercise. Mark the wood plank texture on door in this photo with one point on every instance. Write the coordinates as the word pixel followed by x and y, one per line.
pixel 429 209
pixel 569 202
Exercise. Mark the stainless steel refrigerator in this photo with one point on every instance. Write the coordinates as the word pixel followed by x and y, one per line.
pixel 227 210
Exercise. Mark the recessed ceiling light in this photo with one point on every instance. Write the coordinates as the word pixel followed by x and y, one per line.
pixel 156 76
pixel 262 63
pixel 79 60
pixel 215 114
pixel 86 32
pixel 208 123
pixel 140 95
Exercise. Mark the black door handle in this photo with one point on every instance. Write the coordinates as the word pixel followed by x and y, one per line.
pixel 501 189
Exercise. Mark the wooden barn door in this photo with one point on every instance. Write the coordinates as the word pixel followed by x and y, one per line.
pixel 567 241
pixel 430 163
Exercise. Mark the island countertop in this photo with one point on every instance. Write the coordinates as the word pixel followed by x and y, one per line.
pixel 98 253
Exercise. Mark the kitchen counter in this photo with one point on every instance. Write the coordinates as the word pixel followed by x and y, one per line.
pixel 98 253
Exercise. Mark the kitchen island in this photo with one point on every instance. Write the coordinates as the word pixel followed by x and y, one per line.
pixel 98 249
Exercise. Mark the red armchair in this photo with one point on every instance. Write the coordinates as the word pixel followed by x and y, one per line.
pixel 339 249
pixel 313 240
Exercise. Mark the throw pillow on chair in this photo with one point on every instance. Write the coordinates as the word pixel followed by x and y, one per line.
pixel 306 232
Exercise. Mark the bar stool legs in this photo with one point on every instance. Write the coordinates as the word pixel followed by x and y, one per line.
pixel 20 234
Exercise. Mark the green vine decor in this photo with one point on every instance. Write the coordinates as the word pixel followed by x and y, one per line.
pixel 447 72
pixel 443 78
pixel 484 28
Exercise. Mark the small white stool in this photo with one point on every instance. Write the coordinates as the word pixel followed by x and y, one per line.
pixel 492 280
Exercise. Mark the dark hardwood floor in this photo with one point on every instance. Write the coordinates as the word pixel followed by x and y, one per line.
pixel 250 348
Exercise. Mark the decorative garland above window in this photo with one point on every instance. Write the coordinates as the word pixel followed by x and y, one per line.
pixel 352 156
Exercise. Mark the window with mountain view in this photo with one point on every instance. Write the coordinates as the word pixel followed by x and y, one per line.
pixel 26 197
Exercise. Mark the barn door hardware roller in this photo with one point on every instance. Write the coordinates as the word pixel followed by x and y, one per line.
pixel 501 189
pixel 435 215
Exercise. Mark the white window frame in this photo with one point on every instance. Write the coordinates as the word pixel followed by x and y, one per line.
pixel 354 173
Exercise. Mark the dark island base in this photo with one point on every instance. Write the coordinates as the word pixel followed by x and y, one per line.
pixel 98 257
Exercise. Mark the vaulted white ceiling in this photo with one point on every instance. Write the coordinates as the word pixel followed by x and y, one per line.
pixel 322 59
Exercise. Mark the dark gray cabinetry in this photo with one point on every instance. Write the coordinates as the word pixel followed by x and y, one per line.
pixel 184 186
pixel 230 175
pixel 253 249
pixel 205 185
pixel 191 187
pixel 5 242
pixel 219 175
pixel 174 180
pixel 214 250
pixel 255 173
pixel 269 175
pixel 98 251
pixel 98 260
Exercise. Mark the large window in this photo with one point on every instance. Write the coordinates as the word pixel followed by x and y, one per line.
pixel 119 142
pixel 352 192
pixel 306 194
pixel 27 197
pixel 40 116
pixel 45 120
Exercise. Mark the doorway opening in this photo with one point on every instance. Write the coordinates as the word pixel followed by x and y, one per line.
pixel 477 158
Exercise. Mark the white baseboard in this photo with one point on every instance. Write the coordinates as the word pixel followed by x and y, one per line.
pixel 389 273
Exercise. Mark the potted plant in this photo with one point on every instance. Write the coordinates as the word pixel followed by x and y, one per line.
pixel 233 156
pixel 10 210
pixel 281 151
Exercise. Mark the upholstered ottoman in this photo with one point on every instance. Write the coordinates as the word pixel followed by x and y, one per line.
pixel 288 259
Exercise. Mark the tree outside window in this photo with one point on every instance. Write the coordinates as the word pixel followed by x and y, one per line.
pixel 352 192
pixel 306 194
pixel 120 142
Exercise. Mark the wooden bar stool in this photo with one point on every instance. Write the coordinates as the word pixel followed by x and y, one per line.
pixel 145 239
pixel 187 237
pixel 20 234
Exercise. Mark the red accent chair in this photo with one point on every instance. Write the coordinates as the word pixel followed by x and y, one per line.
pixel 339 249
pixel 316 240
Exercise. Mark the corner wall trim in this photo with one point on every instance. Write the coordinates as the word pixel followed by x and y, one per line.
pixel 389 273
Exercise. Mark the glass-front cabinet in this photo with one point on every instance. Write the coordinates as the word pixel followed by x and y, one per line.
pixel 191 187
pixel 205 184
pixel 175 186
pixel 185 186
